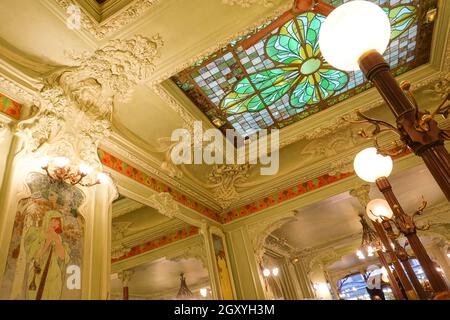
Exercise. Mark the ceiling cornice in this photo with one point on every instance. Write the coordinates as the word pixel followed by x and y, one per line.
pixel 124 206
pixel 150 233
pixel 113 24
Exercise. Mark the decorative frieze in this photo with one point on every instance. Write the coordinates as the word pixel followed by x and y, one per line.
pixel 113 24
pixel 163 240
pixel 248 3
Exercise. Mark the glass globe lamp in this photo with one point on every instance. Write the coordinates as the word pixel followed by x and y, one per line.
pixel 369 165
pixel 350 31
pixel 378 210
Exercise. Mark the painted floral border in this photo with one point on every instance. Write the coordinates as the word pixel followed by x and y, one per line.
pixel 236 213
pixel 10 107
pixel 282 196
pixel 126 169
pixel 162 241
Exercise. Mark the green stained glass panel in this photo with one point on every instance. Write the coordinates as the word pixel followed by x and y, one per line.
pixel 282 77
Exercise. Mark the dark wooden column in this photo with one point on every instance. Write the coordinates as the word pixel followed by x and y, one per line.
pixel 426 142
pixel 407 226
pixel 404 280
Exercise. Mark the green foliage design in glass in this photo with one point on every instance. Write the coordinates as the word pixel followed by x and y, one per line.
pixel 300 70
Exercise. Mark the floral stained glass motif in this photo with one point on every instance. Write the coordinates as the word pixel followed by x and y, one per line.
pixel 301 70
pixel 281 77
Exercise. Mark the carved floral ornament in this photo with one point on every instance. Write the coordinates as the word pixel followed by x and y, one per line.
pixel 76 102
pixel 113 24
pixel 224 179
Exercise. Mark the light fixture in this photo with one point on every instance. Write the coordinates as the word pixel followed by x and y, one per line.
pixel 384 275
pixel 431 15
pixel 268 272
pixel 372 167
pixel 378 210
pixel 203 292
pixel 59 169
pixel 350 31
pixel 369 242
pixel 184 293
pixel 275 271
pixel 369 165
pixel 354 36
pixel 360 255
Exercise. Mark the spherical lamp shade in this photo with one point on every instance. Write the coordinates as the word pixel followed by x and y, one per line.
pixel 351 30
pixel 369 165
pixel 378 209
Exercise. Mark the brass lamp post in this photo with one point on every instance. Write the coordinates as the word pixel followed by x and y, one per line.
pixel 371 241
pixel 372 206
pixel 373 167
pixel 403 256
pixel 353 37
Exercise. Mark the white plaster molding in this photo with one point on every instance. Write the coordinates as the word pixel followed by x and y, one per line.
pixel 248 3
pixel 151 233
pixel 75 104
pixel 124 206
pixel 223 181
pixel 4 129
pixel 195 251
pixel 187 118
pixel 221 43
pixel 114 23
pixel 119 229
pixel 165 204
pixel 16 91
pixel 119 251
pixel 125 276
pixel 258 232
pixel 361 192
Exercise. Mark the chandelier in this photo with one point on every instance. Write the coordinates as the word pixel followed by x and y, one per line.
pixel 184 293
pixel 370 243
pixel 60 169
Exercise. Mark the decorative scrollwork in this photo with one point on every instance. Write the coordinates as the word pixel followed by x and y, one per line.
pixel 406 223
pixel 423 119
pixel 395 148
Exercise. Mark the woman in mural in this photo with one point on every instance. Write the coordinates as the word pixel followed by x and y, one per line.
pixel 47 257
pixel 224 275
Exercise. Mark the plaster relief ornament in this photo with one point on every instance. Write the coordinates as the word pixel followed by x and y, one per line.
pixel 76 102
pixel 224 179
pixel 77 18
pixel 165 204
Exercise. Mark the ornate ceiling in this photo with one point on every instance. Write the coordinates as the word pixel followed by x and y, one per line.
pixel 275 75
pixel 38 40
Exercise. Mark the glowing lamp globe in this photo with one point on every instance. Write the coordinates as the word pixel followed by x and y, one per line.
pixel 369 165
pixel 378 210
pixel 350 31
pixel 266 272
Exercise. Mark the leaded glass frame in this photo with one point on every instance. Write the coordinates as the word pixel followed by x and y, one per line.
pixel 275 79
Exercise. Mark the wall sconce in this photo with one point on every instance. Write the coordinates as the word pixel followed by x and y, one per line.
pixel 274 272
pixel 59 169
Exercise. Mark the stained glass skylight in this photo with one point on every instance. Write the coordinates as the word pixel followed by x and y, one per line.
pixel 273 79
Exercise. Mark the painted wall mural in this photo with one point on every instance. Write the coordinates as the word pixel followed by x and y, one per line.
pixel 46 249
pixel 222 267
